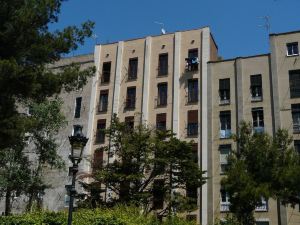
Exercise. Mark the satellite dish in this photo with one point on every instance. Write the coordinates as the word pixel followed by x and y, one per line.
pixel 163 31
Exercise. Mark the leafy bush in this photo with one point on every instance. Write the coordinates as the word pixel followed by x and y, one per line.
pixel 118 216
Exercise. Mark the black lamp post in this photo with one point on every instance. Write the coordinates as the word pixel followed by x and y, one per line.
pixel 77 141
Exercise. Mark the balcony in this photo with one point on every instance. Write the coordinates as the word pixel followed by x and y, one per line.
pixel 130 103
pixel 224 206
pixel 225 133
pixel 296 128
pixel 224 101
pixel 256 98
pixel 262 208
pixel 191 64
pixel 258 130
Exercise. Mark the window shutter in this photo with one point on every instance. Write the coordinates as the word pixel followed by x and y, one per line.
pixel 161 117
pixel 193 116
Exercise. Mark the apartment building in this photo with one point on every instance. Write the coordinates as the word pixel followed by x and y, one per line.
pixel 261 89
pixel 176 81
pixel 154 80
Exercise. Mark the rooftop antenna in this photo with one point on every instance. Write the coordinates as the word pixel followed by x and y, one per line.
pixel 162 30
pixel 267 24
pixel 95 37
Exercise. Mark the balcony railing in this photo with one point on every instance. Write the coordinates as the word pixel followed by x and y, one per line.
pixel 130 103
pixel 192 129
pixel 258 130
pixel 224 101
pixel 224 206
pixel 296 128
pixel 191 64
pixel 102 107
pixel 225 133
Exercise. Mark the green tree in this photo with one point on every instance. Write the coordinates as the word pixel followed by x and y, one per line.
pixel 27 51
pixel 47 121
pixel 261 167
pixel 138 157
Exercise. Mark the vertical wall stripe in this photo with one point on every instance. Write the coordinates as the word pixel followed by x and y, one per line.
pixel 146 80
pixel 91 116
pixel 117 81
pixel 239 91
pixel 204 100
pixel 176 84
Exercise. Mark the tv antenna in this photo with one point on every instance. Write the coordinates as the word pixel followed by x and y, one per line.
pixel 267 24
pixel 162 30
pixel 95 37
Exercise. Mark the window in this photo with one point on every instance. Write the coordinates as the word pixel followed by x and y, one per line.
pixel 129 121
pixel 225 203
pixel 158 194
pixel 296 117
pixel 162 98
pixel 67 200
pixel 297 145
pixel 225 124
pixel 224 91
pixel 132 68
pixel 263 207
pixel 163 64
pixel 100 133
pixel 191 189
pixel 258 120
pixel 77 107
pixel 103 103
pixel 224 153
pixel 262 223
pixel 192 90
pixel 77 129
pixel 98 159
pixel 130 99
pixel 292 48
pixel 106 72
pixel 161 121
pixel 256 87
pixel 294 77
pixel 192 127
pixel 192 61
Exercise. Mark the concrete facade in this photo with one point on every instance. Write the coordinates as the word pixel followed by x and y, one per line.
pixel 111 90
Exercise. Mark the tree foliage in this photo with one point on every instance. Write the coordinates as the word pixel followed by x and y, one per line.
pixel 138 157
pixel 261 167
pixel 28 51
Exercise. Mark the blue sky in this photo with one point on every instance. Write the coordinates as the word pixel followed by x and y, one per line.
pixel 237 25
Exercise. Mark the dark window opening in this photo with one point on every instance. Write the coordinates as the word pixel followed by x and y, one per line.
pixel 192 128
pixel 158 194
pixel 292 48
pixel 162 98
pixel 296 118
pixel 131 97
pixel 224 153
pixel 297 145
pixel 98 159
pixel 225 122
pixel 256 87
pixel 224 91
pixel 258 120
pixel 77 129
pixel 132 68
pixel 129 121
pixel 103 103
pixel 77 107
pixel 163 64
pixel 161 121
pixel 106 72
pixel 100 133
pixel 192 62
pixel 192 90
pixel 294 78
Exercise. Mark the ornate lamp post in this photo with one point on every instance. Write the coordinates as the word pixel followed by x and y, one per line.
pixel 78 142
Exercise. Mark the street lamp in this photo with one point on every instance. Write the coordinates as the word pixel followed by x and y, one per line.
pixel 77 141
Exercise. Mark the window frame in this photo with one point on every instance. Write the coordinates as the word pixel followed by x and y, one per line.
pixel 133 65
pixel 193 91
pixel 163 62
pixel 105 76
pixel 293 47
pixel 162 94
pixel 77 110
